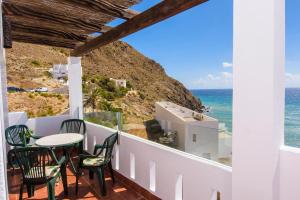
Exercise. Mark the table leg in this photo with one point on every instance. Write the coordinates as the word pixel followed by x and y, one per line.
pixel 69 160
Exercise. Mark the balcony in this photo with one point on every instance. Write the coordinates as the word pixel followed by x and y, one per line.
pixel 145 169
pixel 88 189
pixel 262 168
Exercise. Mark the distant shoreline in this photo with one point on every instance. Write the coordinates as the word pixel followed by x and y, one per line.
pixel 220 101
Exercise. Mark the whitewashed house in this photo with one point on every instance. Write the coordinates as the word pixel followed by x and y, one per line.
pixel 196 136
pixel 59 71
pixel 119 82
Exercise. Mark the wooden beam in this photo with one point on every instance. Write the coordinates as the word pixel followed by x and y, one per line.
pixel 24 21
pixel 95 8
pixel 108 7
pixel 37 39
pixel 7 37
pixel 60 7
pixel 74 20
pixel 160 12
pixel 46 32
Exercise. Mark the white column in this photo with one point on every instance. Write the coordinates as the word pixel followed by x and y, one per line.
pixel 258 98
pixel 3 116
pixel 75 87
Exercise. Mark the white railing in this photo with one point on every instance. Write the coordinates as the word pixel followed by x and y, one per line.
pixel 167 173
pixel 289 173
pixel 42 126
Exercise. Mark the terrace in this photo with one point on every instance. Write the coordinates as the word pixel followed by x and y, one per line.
pixel 262 167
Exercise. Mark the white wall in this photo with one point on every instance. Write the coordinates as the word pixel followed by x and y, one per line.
pixel 289 173
pixel 207 140
pixel 225 145
pixel 16 118
pixel 206 132
pixel 44 126
pixel 200 177
pixel 258 98
pixel 170 122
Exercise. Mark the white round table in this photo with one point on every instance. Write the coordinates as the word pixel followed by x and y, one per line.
pixel 63 140
pixel 59 140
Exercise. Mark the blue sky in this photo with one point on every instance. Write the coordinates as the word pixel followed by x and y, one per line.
pixel 292 43
pixel 195 47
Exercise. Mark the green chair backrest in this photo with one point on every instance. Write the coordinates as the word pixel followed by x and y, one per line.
pixel 108 146
pixel 16 135
pixel 33 161
pixel 73 126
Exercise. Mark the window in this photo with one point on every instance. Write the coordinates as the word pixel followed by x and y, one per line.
pixel 194 137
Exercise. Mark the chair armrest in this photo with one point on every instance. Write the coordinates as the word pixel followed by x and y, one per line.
pixel 98 146
pixel 83 156
pixel 35 137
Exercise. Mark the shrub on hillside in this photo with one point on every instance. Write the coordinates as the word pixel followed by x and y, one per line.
pixel 35 63
pixel 48 74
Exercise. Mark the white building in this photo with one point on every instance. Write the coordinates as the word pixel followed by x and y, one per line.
pixel 59 71
pixel 119 82
pixel 198 137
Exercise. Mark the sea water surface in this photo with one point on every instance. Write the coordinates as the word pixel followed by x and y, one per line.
pixel 220 103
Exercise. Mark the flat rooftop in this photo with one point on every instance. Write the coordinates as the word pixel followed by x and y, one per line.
pixel 183 113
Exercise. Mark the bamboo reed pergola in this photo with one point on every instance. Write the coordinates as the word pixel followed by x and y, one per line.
pixel 71 23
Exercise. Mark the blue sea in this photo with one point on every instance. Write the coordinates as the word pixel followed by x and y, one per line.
pixel 220 103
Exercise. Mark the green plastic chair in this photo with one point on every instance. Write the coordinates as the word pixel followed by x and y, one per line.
pixel 40 166
pixel 74 126
pixel 100 159
pixel 16 137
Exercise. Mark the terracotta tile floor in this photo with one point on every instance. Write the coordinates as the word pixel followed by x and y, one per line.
pixel 88 189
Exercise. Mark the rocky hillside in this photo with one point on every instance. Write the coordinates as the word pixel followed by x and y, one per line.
pixel 27 66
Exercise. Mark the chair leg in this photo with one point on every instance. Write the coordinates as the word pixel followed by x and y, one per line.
pixel 30 190
pixel 91 174
pixel 10 163
pixel 77 178
pixel 64 178
pixel 21 191
pixel 51 190
pixel 71 162
pixel 80 148
pixel 101 178
pixel 111 172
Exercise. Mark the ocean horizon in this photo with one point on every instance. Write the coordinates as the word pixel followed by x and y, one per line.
pixel 220 103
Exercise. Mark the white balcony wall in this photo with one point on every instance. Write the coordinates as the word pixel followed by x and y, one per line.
pixel 200 177
pixel 289 173
pixel 15 118
pixel 43 126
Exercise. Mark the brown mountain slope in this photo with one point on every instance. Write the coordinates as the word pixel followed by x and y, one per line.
pixel 27 65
